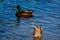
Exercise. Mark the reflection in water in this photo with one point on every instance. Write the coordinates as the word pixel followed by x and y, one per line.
pixel 37 38
pixel 18 19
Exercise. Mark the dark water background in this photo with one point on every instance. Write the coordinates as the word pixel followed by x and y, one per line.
pixel 46 13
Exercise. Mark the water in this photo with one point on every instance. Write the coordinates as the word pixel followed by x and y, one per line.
pixel 46 13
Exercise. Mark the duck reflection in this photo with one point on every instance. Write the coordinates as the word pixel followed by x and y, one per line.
pixel 17 21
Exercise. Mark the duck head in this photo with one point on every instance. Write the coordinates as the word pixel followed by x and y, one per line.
pixel 18 8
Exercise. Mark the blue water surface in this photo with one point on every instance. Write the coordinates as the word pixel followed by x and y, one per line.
pixel 46 14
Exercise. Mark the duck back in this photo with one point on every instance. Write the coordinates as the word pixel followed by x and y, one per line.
pixel 37 34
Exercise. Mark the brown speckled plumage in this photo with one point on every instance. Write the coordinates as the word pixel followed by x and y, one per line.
pixel 37 34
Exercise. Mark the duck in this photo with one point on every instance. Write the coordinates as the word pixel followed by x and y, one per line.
pixel 23 13
pixel 37 33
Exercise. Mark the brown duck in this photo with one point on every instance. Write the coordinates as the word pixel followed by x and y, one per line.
pixel 24 13
pixel 37 34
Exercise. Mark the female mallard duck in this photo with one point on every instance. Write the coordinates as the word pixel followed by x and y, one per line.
pixel 24 13
pixel 37 34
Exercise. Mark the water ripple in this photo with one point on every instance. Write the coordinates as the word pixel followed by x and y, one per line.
pixel 46 13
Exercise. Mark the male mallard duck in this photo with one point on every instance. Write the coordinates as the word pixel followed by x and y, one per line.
pixel 24 13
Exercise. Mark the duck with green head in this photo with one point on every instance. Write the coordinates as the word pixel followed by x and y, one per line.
pixel 23 13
